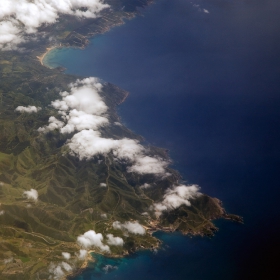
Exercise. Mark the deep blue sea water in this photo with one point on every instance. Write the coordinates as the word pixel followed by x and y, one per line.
pixel 206 86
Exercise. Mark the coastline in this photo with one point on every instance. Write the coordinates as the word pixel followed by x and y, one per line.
pixel 153 227
pixel 91 36
pixel 230 199
pixel 42 57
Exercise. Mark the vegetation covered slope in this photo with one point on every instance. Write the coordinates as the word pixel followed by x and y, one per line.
pixel 71 199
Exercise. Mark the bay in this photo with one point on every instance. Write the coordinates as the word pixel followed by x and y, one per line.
pixel 203 78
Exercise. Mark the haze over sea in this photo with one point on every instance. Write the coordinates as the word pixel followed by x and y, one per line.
pixel 205 85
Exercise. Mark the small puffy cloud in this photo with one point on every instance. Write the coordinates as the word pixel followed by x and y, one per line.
pixel 9 260
pixel 29 109
pixel 197 6
pixel 92 239
pixel 148 165
pixel 145 214
pixel 81 108
pixel 78 120
pixel 20 18
pixel 32 194
pixel 107 268
pixel 9 34
pixel 175 197
pixel 88 143
pixel 103 185
pixel 66 266
pixel 56 272
pixel 145 186
pixel 82 254
pixel 84 96
pixel 54 123
pixel 114 241
pixel 66 255
pixel 132 227
pixel 117 225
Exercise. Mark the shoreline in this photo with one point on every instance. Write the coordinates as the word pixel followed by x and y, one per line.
pixel 41 57
pixel 153 228
pixel 89 37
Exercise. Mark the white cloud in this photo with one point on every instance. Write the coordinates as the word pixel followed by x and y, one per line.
pixel 54 123
pixel 174 198
pixel 80 109
pixel 66 255
pixel 29 109
pixel 66 266
pixel 83 110
pixel 132 227
pixel 82 254
pixel 92 239
pixel 107 268
pixel 56 272
pixel 88 143
pixel 103 185
pixel 32 194
pixel 78 120
pixel 197 6
pixel 9 34
pixel 148 165
pixel 104 216
pixel 114 241
pixel 145 186
pixel 84 96
pixel 19 18
pixel 9 260
pixel 2 212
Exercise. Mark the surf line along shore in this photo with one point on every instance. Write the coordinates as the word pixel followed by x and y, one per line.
pixel 41 57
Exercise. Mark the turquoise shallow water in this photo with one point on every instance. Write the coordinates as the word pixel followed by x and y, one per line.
pixel 179 257
pixel 206 87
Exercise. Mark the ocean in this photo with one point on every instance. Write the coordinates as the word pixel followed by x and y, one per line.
pixel 203 78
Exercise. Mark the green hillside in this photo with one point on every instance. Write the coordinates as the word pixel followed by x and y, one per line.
pixel 71 200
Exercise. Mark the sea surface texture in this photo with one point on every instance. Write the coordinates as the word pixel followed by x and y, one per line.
pixel 203 78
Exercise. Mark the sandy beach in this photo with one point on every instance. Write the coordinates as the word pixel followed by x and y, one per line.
pixel 41 58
